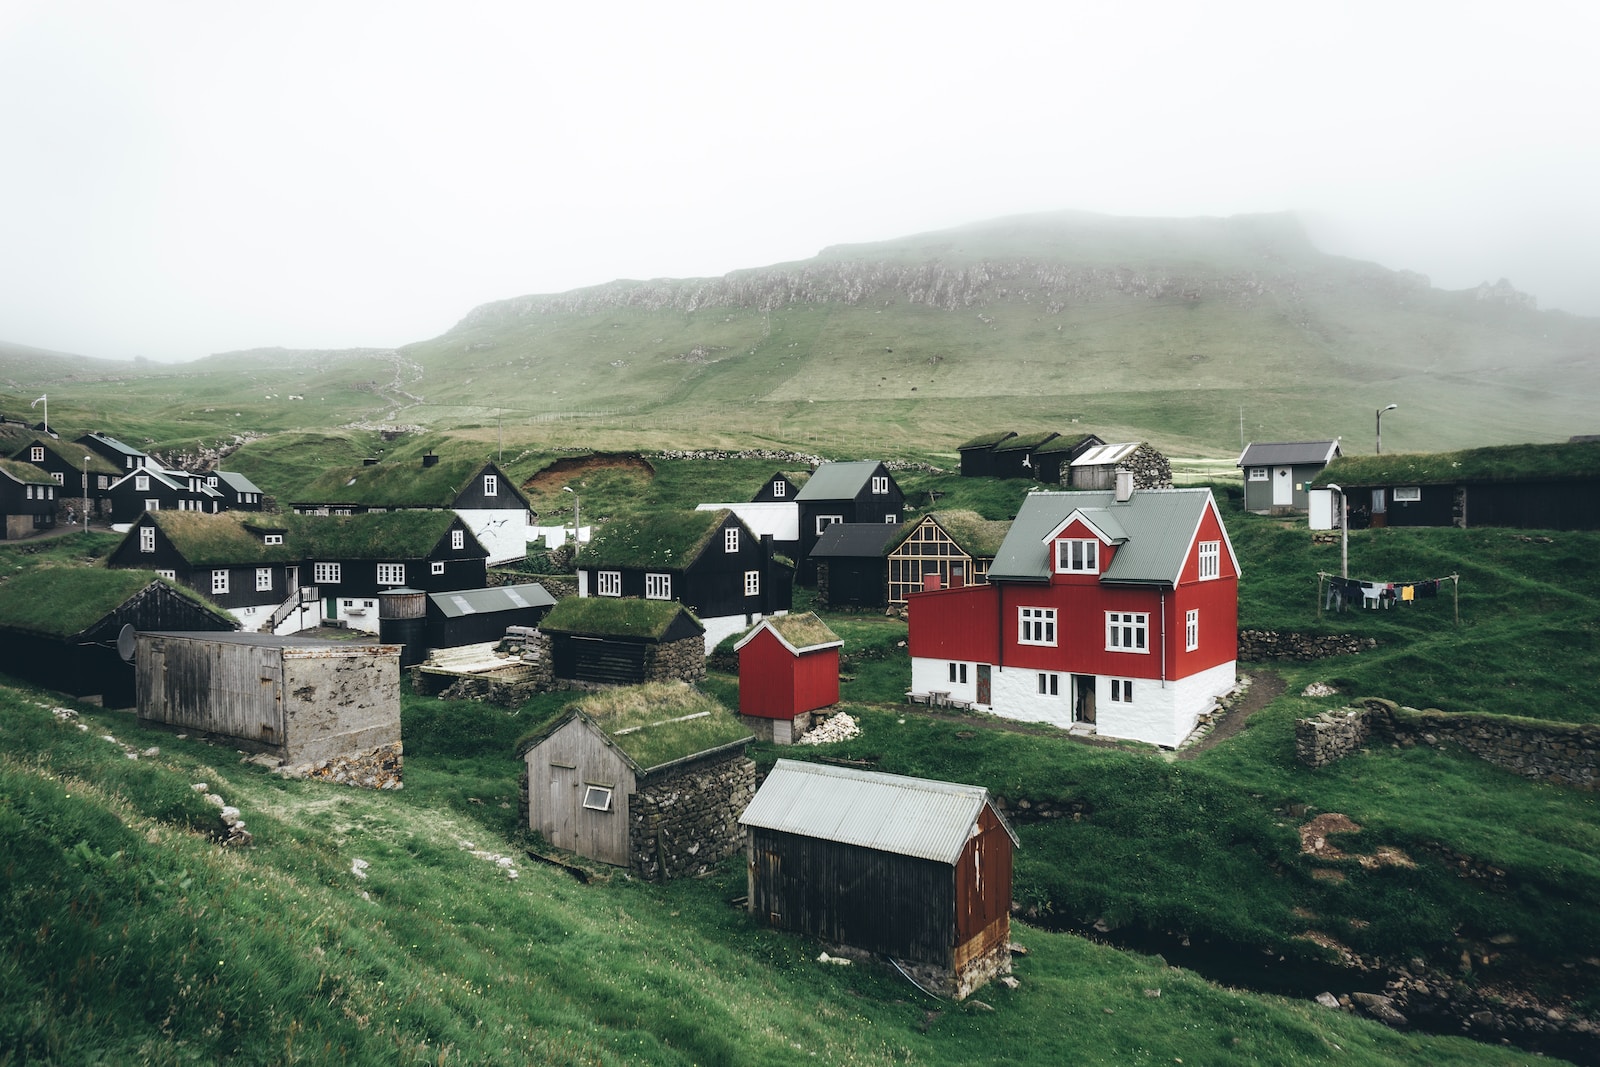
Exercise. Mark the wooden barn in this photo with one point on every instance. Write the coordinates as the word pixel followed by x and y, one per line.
pixel 59 626
pixel 917 870
pixel 1052 461
pixel 300 699
pixel 977 455
pixel 651 778
pixel 788 668
pixel 624 641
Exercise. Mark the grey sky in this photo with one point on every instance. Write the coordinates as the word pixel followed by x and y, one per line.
pixel 181 178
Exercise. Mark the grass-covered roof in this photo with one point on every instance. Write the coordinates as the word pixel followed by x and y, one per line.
pixel 62 601
pixel 72 456
pixel 802 629
pixel 669 541
pixel 26 473
pixel 974 533
pixel 614 616
pixel 222 539
pixel 399 484
pixel 379 535
pixel 659 722
pixel 1064 443
pixel 1497 463
pixel 1026 444
pixel 987 440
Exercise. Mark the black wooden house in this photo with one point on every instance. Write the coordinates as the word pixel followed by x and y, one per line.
pixel 860 491
pixel 28 500
pixel 852 564
pixel 70 465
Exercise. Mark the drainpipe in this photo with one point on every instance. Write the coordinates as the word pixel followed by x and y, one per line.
pixel 1163 639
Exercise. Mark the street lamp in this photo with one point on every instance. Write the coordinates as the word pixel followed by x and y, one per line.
pixel 1391 407
pixel 85 494
pixel 1344 531
pixel 575 525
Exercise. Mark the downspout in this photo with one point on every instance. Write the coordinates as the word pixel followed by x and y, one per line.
pixel 1000 627
pixel 1163 638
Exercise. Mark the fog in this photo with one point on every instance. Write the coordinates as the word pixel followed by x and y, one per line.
pixel 182 178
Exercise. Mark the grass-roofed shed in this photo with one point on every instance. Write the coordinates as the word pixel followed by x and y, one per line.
pixel 650 777
pixel 624 641
pixel 788 669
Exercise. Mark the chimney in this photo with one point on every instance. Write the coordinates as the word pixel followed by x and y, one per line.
pixel 957 579
pixel 429 460
pixel 930 582
pixel 1124 485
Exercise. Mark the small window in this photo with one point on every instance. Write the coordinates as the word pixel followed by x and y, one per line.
pixel 1078 556
pixel 958 673
pixel 825 521
pixel 147 539
pixel 1191 629
pixel 730 539
pixel 170 576
pixel 1405 493
pixel 141 483
pixel 437 566
pixel 326 573
pixel 1210 559
pixel 891 519
pixel 658 587
pixel 458 540
pixel 491 485
pixel 1049 684
pixel 263 579
pixel 608 583
pixel 779 488
pixel 1122 691
pixel 36 454
pixel 597 797
pixel 104 481
pixel 152 505
pixel 219 581
pixel 752 583
pixel 1259 474
pixel 57 476
pixel 391 574
pixel 272 539
pixel 880 485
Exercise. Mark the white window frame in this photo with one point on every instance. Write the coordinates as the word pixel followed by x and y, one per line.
pixel 825 521
pixel 152 505
pixel 752 583
pixel 1077 555
pixel 141 483
pixel 147 539
pixel 104 481
pixel 491 485
pixel 170 576
pixel 730 539
pixel 1036 626
pixel 458 540
pixel 1122 690
pixel 58 477
pixel 272 539
pixel 657 586
pixel 263 579
pixel 880 485
pixel 1407 494
pixel 607 583
pixel 958 673
pixel 391 574
pixel 327 573
pixel 1128 631
pixel 1049 684
pixel 597 797
pixel 36 455
pixel 437 566
pixel 1191 629
pixel 1210 560
pixel 779 488
pixel 219 581
pixel 1259 474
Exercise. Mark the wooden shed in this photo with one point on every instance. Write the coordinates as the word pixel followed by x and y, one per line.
pixel 59 626
pixel 625 641
pixel 851 561
pixel 788 668
pixel 650 777
pixel 914 869
pixel 303 700
pixel 475 616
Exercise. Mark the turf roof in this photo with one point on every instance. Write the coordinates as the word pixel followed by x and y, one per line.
pixel 26 473
pixel 988 440
pixel 613 616
pixel 974 533
pixel 801 629
pixel 207 540
pixel 639 720
pixel 400 484
pixel 62 601
pixel 1064 443
pixel 1498 463
pixel 379 535
pixel 669 541
pixel 73 457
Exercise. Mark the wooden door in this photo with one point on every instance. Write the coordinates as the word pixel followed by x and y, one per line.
pixel 984 696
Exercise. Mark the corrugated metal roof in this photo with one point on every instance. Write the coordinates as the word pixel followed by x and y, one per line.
pixel 838 481
pixel 461 602
pixel 238 482
pixel 1100 455
pixel 1158 524
pixel 1287 453
pixel 888 812
pixel 857 539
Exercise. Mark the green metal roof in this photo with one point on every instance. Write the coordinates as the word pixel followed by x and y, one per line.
pixel 838 481
pixel 461 602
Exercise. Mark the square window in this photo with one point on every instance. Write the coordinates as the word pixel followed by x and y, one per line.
pixel 880 485
pixel 608 583
pixel 1036 626
pixel 219 581
pixel 36 454
pixel 263 579
pixel 61 481
pixel 597 797
pixel 437 566
pixel 658 587
pixel 1127 631
pixel 730 539
pixel 141 483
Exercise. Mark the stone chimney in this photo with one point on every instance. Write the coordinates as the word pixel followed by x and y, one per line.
pixel 429 460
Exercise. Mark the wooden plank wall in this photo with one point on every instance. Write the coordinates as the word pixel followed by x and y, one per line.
pixel 559 767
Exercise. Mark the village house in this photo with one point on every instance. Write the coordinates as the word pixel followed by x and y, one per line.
pixel 1278 474
pixel 123 458
pixel 788 669
pixel 708 561
pixel 953 547
pixel 861 491
pixel 238 492
pixel 1097 467
pixel 28 501
pixel 71 466
pixel 778 489
pixel 624 641
pixel 651 778
pixel 977 455
pixel 247 571
pixel 1114 613
pixel 151 487
pixel 491 505
pixel 851 563
pixel 1041 457
pixel 915 869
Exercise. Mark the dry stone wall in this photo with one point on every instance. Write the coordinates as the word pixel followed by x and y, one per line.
pixel 683 823
pixel 682 660
pixel 1258 646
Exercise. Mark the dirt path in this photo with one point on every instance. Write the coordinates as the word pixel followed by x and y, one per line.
pixel 1265 687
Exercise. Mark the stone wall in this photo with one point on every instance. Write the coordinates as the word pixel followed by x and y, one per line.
pixel 1257 646
pixel 1568 753
pixel 379 769
pixel 685 821
pixel 681 660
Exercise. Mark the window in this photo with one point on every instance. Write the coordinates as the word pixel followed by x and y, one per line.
pixel 152 505
pixel 958 673
pixel 752 583
pixel 1258 474
pixel 36 454
pixel 825 521
pixel 263 579
pixel 147 539
pixel 1049 684
pixel 1191 629
pixel 730 539
pixel 1210 559
pixel 1127 631
pixel 272 539
pixel 170 576
pixel 61 481
pixel 1037 626
pixel 778 487
pixel 1078 557
pixel 219 581
pixel 458 540
pixel 391 574
pixel 1122 691
pixel 608 583
pixel 491 485
pixel 141 483
pixel 325 573
pixel 880 485
pixel 890 520
pixel 437 566
pixel 597 797
pixel 104 481
pixel 1403 493
pixel 658 587
pixel 211 480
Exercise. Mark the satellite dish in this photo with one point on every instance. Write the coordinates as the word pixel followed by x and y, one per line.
pixel 127 642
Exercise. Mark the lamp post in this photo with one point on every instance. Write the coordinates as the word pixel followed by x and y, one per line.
pixel 575 524
pixel 85 494
pixel 1391 407
pixel 1344 531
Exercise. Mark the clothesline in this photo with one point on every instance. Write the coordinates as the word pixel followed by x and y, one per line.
pixel 1342 592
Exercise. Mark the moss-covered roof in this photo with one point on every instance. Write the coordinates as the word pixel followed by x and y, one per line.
pixel 378 535
pixel 801 629
pixel 988 440
pixel 222 539
pixel 73 457
pixel 399 484
pixel 977 535
pixel 26 473
pixel 62 601
pixel 660 722
pixel 613 616
pixel 1498 463
pixel 1026 444
pixel 670 541
pixel 1064 443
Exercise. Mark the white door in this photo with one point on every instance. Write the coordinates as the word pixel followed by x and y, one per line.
pixel 1282 487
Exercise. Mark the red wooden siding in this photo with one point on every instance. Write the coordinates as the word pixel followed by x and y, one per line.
pixel 774 683
pixel 956 624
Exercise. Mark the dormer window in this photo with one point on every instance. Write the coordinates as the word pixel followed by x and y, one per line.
pixel 1078 556
pixel 272 539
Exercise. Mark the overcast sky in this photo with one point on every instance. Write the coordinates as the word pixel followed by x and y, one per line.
pixel 182 178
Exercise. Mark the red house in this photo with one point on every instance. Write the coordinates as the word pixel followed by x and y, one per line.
pixel 788 668
pixel 1106 612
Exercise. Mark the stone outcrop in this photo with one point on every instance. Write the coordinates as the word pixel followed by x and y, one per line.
pixel 1258 646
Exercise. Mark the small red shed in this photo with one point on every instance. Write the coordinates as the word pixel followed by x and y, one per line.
pixel 788 668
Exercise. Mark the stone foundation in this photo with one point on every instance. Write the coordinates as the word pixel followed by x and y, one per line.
pixel 379 769
pixel 1257 646
pixel 684 822
pixel 778 731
